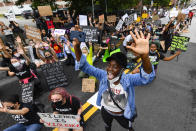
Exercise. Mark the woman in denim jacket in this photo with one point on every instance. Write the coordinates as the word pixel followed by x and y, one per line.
pixel 116 93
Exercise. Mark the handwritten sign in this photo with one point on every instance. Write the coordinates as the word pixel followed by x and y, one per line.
pixel 59 32
pixel 111 18
pixel 79 35
pixel 124 16
pixel 119 25
pixel 91 34
pixel 60 120
pixel 179 43
pixel 101 19
pixel 27 92
pixel 129 19
pixel 45 10
pixel 33 33
pixel 54 75
pixel 88 85
pixel 83 20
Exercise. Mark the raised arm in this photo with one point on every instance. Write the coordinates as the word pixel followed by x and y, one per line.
pixel 172 57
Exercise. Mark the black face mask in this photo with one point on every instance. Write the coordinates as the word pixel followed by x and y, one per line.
pixel 11 108
pixel 48 57
pixel 58 103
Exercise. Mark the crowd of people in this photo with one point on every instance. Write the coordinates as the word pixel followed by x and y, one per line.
pixel 132 55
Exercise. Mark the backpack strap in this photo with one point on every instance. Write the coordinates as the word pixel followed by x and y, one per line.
pixel 158 53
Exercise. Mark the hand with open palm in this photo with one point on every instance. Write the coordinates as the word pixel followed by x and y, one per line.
pixel 142 43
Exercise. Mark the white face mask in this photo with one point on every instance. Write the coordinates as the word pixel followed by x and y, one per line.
pixel 114 80
pixel 16 64
pixel 17 55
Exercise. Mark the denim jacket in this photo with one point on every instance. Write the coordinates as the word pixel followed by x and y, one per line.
pixel 128 81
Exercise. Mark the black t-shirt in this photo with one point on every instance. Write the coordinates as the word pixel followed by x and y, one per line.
pixel 71 106
pixel 30 118
pixel 25 72
pixel 155 57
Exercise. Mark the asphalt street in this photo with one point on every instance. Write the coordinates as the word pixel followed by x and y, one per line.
pixel 167 104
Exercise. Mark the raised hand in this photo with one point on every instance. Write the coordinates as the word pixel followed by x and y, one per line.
pixel 142 43
pixel 18 39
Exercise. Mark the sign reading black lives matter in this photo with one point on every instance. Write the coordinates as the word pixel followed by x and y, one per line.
pixel 60 120
pixel 27 92
pixel 91 34
pixel 54 75
pixel 129 20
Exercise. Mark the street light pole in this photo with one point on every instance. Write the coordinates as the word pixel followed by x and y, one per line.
pixel 106 7
pixel 93 9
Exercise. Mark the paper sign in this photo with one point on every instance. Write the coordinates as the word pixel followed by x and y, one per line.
pixel 88 85
pixel 1 105
pixel 111 18
pixel 83 20
pixel 11 17
pixel 179 43
pixel 173 13
pixel 91 34
pixel 54 75
pixel 135 16
pixel 129 19
pixel 45 10
pixel 27 92
pixel 59 32
pixel 101 19
pixel 155 17
pixel 119 25
pixel 124 16
pixel 33 33
pixel 60 120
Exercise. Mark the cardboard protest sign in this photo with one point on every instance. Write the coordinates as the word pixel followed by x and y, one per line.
pixel 59 32
pixel 119 25
pixel 111 18
pixel 88 85
pixel 83 20
pixel 155 17
pixel 27 92
pixel 129 19
pixel 79 35
pixel 179 43
pixel 60 120
pixel 91 33
pixel 45 10
pixel 54 75
pixel 33 33
pixel 101 19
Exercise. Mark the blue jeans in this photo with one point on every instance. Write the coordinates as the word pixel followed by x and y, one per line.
pixel 21 127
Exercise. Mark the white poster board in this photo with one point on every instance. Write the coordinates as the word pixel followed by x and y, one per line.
pixel 124 16
pixel 59 120
pixel 119 25
pixel 83 20
pixel 59 32
pixel 11 17
pixel 135 16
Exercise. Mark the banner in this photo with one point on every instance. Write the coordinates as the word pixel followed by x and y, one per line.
pixel 27 92
pixel 54 75
pixel 111 18
pixel 179 43
pixel 60 120
pixel 45 10
pixel 32 33
pixel 91 34
pixel 83 20
pixel 119 25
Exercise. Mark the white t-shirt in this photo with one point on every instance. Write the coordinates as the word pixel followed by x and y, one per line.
pixel 127 39
pixel 119 95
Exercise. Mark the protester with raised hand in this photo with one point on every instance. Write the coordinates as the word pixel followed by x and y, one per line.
pixel 24 114
pixel 115 84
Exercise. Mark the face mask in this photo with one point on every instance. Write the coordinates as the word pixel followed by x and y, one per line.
pixel 17 55
pixel 152 52
pixel 17 64
pixel 85 55
pixel 58 103
pixel 48 57
pixel 114 80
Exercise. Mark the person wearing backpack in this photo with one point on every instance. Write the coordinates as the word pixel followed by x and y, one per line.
pixel 116 94
pixel 24 114
pixel 64 103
